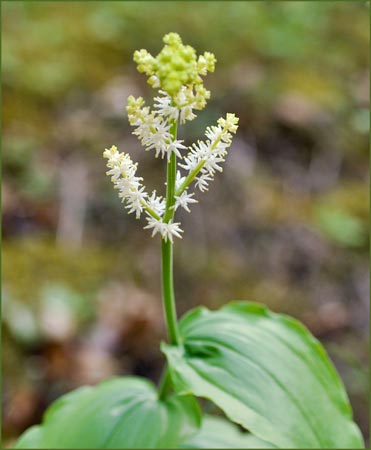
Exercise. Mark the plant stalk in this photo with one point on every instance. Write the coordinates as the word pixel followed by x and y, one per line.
pixel 165 384
pixel 168 296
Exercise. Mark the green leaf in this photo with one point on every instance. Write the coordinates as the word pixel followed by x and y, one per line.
pixel 267 373
pixel 31 438
pixel 119 413
pixel 219 433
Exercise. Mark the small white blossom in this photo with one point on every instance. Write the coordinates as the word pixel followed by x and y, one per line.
pixel 157 226
pixel 178 180
pixel 186 113
pixel 183 200
pixel 141 118
pixel 171 230
pixel 156 203
pixel 211 164
pixel 135 201
pixel 213 132
pixel 164 106
pixel 185 100
pixel 159 138
pixel 174 147
pixel 202 182
pixel 167 230
pixel 190 161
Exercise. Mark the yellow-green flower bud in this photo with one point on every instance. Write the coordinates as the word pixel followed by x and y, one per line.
pixel 202 94
pixel 206 63
pixel 172 39
pixel 145 61
pixel 229 123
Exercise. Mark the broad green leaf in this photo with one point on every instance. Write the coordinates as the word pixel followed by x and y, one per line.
pixel 119 413
pixel 31 438
pixel 219 433
pixel 267 373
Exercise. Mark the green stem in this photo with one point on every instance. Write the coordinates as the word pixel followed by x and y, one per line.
pixel 165 384
pixel 171 177
pixel 168 296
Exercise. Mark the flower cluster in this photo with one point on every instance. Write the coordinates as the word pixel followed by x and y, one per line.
pixel 204 158
pixel 122 171
pixel 176 72
pixel 152 128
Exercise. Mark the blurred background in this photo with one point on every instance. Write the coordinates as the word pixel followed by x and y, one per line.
pixel 285 224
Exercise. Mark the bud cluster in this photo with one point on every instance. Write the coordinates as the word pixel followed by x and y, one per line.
pixel 175 66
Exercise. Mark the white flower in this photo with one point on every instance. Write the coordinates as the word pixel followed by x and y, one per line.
pixel 159 138
pixel 157 226
pixel 167 230
pixel 186 113
pixel 211 164
pixel 185 101
pixel 144 121
pixel 183 200
pixel 126 185
pixel 190 161
pixel 213 132
pixel 144 128
pixel 171 230
pixel 135 201
pixel 174 147
pixel 178 180
pixel 202 182
pixel 157 204
pixel 164 106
